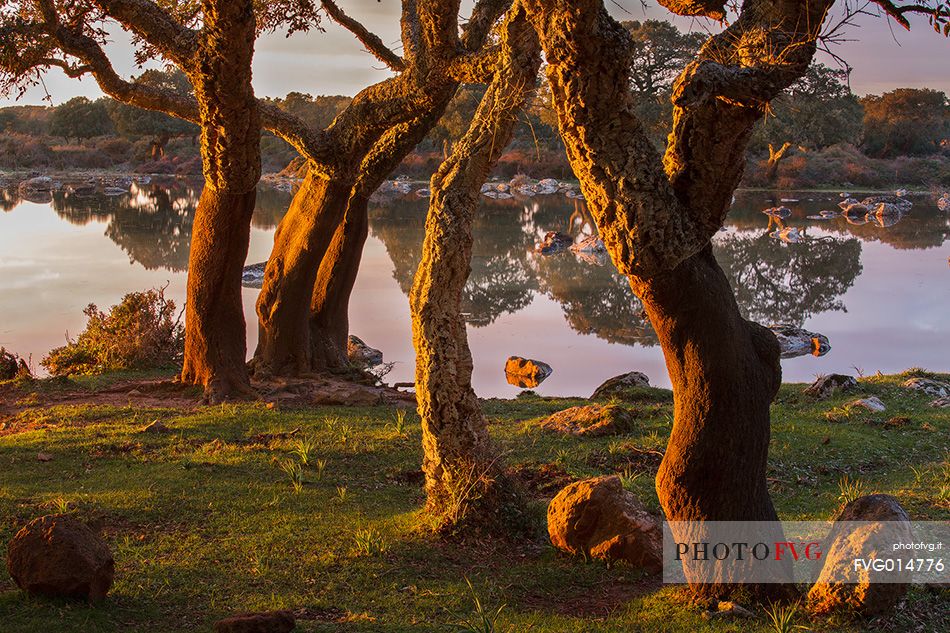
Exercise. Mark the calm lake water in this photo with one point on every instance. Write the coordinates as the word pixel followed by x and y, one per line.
pixel 882 295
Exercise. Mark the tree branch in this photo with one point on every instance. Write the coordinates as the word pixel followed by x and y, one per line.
pixel 475 68
pixel 155 26
pixel 370 40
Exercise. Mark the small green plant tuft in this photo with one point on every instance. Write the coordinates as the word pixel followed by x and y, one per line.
pixel 781 618
pixel 368 542
pixel 303 448
pixel 294 472
pixel 850 489
pixel 482 620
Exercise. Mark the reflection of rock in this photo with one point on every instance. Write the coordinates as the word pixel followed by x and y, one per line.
pixel 618 384
pixel 599 519
pixel 789 234
pixel 930 387
pixel 590 244
pixel 795 341
pixel 361 354
pixel 592 420
pixel 831 384
pixel 865 530
pixel 526 373
pixel 554 242
pixel 778 212
pixel 253 275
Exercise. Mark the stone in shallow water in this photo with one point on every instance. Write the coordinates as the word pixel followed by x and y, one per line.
pixel 525 372
pixel 253 275
pixel 361 354
pixel 796 341
pixel 554 242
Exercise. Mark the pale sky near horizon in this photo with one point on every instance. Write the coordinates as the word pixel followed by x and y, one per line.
pixel 884 56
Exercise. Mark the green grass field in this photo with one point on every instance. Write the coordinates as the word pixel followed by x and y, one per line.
pixel 223 514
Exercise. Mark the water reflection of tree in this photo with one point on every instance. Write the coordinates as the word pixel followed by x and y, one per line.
pixel 788 284
pixel 151 223
pixel 596 300
pixel 501 281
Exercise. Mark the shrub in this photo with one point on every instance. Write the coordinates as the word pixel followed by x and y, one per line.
pixel 12 366
pixel 138 333
pixel 117 149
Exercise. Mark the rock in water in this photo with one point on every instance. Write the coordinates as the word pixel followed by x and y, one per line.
pixel 554 242
pixel 526 373
pixel 831 384
pixel 59 556
pixel 361 354
pixel 598 518
pixel 590 244
pixel 843 586
pixel 795 341
pixel 253 275
pixel 592 420
pixel 618 384
pixel 271 622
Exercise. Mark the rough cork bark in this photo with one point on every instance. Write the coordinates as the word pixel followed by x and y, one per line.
pixel 369 139
pixel 215 339
pixel 656 219
pixel 460 468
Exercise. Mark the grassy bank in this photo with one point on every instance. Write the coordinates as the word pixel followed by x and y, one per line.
pixel 204 519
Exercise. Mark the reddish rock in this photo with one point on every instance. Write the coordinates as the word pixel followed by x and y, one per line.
pixel 598 518
pixel 842 587
pixel 270 622
pixel 526 373
pixel 59 556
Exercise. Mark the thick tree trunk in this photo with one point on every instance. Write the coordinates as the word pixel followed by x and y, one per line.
pixel 725 373
pixel 215 343
pixel 215 338
pixel 329 306
pixel 283 307
pixel 462 472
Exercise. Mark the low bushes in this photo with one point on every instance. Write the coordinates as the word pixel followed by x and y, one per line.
pixel 139 333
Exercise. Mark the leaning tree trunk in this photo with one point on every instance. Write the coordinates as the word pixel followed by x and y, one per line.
pixel 330 302
pixel 215 339
pixel 462 472
pixel 283 307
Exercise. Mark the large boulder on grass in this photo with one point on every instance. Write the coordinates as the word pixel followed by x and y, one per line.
pixel 361 354
pixel 270 622
pixel 593 420
pixel 865 529
pixel 598 518
pixel 59 556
